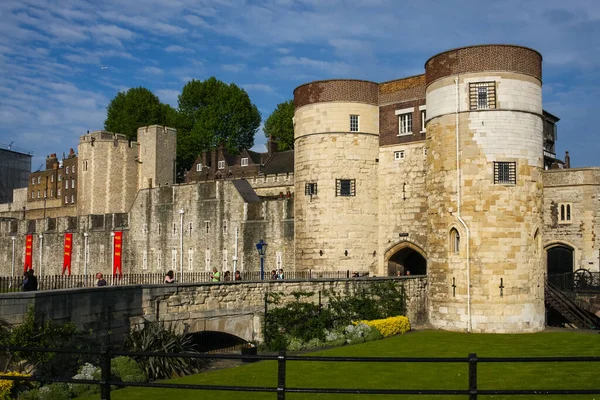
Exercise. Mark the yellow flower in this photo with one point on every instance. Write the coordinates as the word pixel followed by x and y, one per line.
pixel 390 326
pixel 7 385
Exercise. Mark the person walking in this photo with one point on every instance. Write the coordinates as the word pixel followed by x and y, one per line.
pixel 238 276
pixel 100 281
pixel 215 276
pixel 31 284
pixel 169 278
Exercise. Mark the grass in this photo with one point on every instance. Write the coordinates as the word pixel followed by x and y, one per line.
pixel 412 375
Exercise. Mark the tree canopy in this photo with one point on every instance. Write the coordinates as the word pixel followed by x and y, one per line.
pixel 280 126
pixel 135 108
pixel 210 113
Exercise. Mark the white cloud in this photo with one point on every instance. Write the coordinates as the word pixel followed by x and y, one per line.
pixel 168 96
pixel 259 87
pixel 152 71
pixel 177 49
pixel 233 67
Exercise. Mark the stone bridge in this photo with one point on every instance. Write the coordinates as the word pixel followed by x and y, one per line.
pixel 236 308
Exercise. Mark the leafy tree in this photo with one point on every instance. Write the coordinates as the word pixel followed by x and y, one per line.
pixel 280 125
pixel 210 113
pixel 134 108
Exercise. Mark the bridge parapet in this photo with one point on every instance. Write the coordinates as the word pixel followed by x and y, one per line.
pixel 232 307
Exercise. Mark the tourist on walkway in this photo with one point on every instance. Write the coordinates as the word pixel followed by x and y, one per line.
pixel 100 280
pixel 280 274
pixel 215 276
pixel 169 278
pixel 31 283
pixel 227 276
pixel 274 275
pixel 238 276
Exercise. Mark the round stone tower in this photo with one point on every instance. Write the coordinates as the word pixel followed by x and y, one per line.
pixel 336 130
pixel 485 158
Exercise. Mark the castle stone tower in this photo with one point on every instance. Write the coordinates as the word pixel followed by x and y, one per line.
pixel 108 173
pixel 158 147
pixel 484 135
pixel 336 149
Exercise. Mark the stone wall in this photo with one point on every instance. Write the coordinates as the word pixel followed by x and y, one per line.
pixel 234 307
pixel 580 188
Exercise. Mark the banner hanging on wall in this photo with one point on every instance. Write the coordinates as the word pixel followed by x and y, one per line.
pixel 28 252
pixel 67 253
pixel 117 257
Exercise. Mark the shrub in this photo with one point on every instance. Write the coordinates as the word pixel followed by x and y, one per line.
pixel 54 391
pixel 127 370
pixel 160 338
pixel 356 333
pixel 86 372
pixel 389 326
pixel 10 388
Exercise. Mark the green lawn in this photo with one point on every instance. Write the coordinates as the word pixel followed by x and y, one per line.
pixel 412 375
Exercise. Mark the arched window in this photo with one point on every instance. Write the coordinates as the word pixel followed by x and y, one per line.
pixel 454 241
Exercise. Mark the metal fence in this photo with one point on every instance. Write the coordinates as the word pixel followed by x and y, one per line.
pixel 53 282
pixel 472 390
pixel 581 280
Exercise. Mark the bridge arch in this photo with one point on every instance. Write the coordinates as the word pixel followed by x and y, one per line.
pixel 406 257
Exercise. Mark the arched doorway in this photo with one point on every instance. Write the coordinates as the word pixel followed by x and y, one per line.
pixel 406 258
pixel 560 265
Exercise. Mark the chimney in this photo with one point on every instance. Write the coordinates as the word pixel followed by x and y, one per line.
pixel 71 153
pixel 567 160
pixel 272 145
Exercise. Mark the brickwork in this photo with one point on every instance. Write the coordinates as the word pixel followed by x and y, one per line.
pixel 484 58
pixel 344 90
pixel 399 90
pixel 389 123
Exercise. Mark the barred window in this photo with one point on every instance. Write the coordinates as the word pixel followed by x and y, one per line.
pixel 345 187
pixel 244 162
pixel 505 173
pixel 353 123
pixel 221 164
pixel 310 188
pixel 482 95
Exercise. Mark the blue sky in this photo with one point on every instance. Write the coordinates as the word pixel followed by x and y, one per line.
pixel 52 87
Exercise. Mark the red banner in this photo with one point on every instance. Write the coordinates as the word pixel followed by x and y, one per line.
pixel 117 257
pixel 67 253
pixel 28 252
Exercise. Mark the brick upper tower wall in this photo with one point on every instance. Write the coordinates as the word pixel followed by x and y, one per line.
pixel 336 90
pixel 484 58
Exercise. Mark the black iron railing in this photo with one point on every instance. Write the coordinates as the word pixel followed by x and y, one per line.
pixel 472 391
pixel 582 280
pixel 53 282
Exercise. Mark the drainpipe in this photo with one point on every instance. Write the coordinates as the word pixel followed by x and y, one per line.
pixel 85 258
pixel 41 272
pixel 235 256
pixel 13 260
pixel 181 212
pixel 458 203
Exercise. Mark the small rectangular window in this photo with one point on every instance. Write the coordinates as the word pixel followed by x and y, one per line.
pixel 424 151
pixel 190 260
pixel 72 198
pixel 33 181
pixel 144 259
pixel 207 260
pixel 225 228
pixel 33 194
pixel 158 259
pixel 190 229
pixel 159 229
pixel 52 178
pixel 73 169
pixel 144 229
pixel 38 194
pixel 482 95
pixel 505 173
pixel 207 225
pixel 60 178
pixel 66 184
pixel 225 259
pixel 345 187
pixel 51 192
pixel 423 119
pixel 67 171
pixel 66 199
pixel 58 192
pixel 564 213
pixel 244 162
pixel 222 164
pixel 354 123
pixel 45 193
pixel 279 260
pixel 72 183
pixel 174 229
pixel 85 166
pixel 399 155
pixel 405 124
pixel 310 188
pixel 39 179
pixel 198 167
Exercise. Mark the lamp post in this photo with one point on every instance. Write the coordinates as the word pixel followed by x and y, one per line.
pixel 85 257
pixel 13 259
pixel 181 213
pixel 40 274
pixel 262 248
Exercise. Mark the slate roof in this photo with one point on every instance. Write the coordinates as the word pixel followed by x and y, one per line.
pixel 281 162
pixel 246 191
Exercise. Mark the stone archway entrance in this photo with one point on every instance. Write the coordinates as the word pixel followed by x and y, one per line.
pixel 406 257
pixel 559 264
